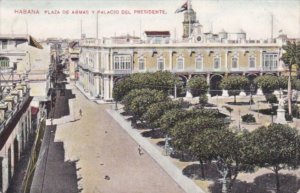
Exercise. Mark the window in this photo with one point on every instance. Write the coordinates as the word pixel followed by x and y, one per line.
pixel 199 63
pixel 252 62
pixel 234 63
pixel 4 44
pixel 160 63
pixel 270 61
pixel 180 63
pixel 116 64
pixel 4 63
pixel 217 62
pixel 122 62
pixel 141 64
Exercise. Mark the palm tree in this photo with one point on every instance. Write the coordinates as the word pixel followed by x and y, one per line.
pixel 291 57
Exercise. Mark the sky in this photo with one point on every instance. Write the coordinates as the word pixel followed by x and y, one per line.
pixel 253 16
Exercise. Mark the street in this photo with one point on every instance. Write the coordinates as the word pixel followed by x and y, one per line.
pixel 107 159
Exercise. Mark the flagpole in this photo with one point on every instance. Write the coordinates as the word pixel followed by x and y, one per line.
pixel 189 7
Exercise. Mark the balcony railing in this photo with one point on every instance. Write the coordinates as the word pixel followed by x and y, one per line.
pixel 122 71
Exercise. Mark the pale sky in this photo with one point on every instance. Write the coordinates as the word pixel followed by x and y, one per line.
pixel 253 16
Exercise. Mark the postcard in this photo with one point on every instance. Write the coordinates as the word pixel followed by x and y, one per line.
pixel 149 96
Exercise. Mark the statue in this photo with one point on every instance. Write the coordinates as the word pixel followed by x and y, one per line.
pixel 281 112
pixel 281 103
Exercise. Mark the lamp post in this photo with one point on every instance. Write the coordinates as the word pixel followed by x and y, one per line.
pixel 272 114
pixel 251 97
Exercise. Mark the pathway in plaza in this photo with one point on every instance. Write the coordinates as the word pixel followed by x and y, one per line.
pixel 107 158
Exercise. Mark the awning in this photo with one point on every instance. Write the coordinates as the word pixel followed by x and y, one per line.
pixel 34 110
pixel 34 43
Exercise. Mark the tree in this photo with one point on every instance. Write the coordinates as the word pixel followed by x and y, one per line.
pixel 127 99
pixel 275 147
pixel 163 81
pixel 139 104
pixel 291 57
pixel 234 85
pixel 272 99
pixel 156 110
pixel 184 132
pixel 121 89
pixel 170 118
pixel 267 83
pixel 224 147
pixel 198 85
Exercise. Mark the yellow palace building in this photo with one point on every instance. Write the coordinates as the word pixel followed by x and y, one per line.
pixel 103 62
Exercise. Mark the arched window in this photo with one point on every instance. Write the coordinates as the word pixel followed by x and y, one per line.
pixel 141 63
pixel 252 62
pixel 160 63
pixel 217 63
pixel 180 63
pixel 234 62
pixel 199 62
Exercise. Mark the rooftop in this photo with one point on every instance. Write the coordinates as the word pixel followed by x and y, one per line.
pixel 157 33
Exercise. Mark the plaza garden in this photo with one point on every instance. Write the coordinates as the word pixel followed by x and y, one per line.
pixel 226 144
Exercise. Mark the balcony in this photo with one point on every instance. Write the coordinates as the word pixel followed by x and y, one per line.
pixel 121 71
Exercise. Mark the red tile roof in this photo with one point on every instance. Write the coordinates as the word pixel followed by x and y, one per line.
pixel 157 33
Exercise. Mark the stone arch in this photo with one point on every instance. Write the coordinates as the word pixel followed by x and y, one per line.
pixel 252 76
pixel 214 84
pixel 117 79
pixel 182 85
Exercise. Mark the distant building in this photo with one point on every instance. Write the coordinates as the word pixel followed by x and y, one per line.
pixel 157 37
pixel 74 51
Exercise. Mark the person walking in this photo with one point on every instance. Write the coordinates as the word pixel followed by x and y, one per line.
pixel 140 150
pixel 80 112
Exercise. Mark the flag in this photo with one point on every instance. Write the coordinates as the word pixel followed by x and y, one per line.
pixel 184 7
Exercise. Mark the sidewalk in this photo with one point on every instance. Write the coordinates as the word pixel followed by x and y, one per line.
pixel 88 96
pixel 184 182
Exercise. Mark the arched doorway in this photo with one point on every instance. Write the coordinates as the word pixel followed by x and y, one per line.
pixel 214 85
pixel 181 86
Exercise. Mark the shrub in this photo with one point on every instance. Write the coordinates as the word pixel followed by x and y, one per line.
pixel 288 117
pixel 295 110
pixel 271 98
pixel 248 118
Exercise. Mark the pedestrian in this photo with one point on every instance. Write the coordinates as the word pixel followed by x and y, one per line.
pixel 80 113
pixel 140 150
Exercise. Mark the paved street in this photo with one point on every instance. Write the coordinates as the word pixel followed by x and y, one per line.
pixel 101 148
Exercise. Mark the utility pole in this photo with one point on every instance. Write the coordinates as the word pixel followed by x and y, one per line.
pixel 97 26
pixel 272 22
pixel 80 29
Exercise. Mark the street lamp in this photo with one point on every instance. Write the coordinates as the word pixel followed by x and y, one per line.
pixel 167 146
pixel 272 114
pixel 251 97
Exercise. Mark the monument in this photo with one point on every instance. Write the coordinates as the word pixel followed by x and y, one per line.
pixel 281 112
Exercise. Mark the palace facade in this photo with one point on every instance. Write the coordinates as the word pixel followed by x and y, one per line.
pixel 103 62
